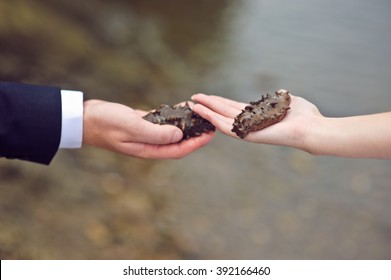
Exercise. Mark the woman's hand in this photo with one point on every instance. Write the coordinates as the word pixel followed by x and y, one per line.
pixel 291 131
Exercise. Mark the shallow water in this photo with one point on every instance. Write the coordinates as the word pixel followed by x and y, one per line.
pixel 230 200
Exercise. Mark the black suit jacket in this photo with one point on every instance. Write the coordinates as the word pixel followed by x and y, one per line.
pixel 30 121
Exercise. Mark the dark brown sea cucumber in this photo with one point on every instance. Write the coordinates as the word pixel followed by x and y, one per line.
pixel 183 117
pixel 263 113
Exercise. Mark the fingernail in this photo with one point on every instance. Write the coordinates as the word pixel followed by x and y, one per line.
pixel 177 137
pixel 195 95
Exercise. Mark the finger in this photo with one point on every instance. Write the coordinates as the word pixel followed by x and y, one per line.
pixel 222 123
pixel 229 102
pixel 151 133
pixel 220 105
pixel 183 148
pixel 171 151
pixel 141 113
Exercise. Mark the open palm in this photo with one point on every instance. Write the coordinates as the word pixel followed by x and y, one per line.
pixel 291 131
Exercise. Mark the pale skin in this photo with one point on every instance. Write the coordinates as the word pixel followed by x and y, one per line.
pixel 305 128
pixel 118 128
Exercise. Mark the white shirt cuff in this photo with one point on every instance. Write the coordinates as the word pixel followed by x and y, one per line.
pixel 72 119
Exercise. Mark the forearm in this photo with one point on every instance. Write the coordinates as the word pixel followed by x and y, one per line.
pixel 366 136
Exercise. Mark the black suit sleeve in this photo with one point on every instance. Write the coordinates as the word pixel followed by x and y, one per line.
pixel 30 121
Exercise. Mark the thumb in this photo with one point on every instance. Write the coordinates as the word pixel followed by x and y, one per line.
pixel 150 133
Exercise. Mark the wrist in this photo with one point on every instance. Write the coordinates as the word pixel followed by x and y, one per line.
pixel 331 136
pixel 88 121
pixel 316 135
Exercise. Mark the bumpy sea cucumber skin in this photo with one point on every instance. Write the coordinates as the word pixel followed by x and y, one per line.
pixel 263 113
pixel 183 117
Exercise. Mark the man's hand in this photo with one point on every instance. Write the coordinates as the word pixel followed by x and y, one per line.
pixel 121 129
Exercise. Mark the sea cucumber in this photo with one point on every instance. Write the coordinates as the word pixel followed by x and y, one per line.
pixel 183 117
pixel 263 113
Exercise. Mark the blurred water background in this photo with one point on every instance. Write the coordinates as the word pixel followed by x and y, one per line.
pixel 231 199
